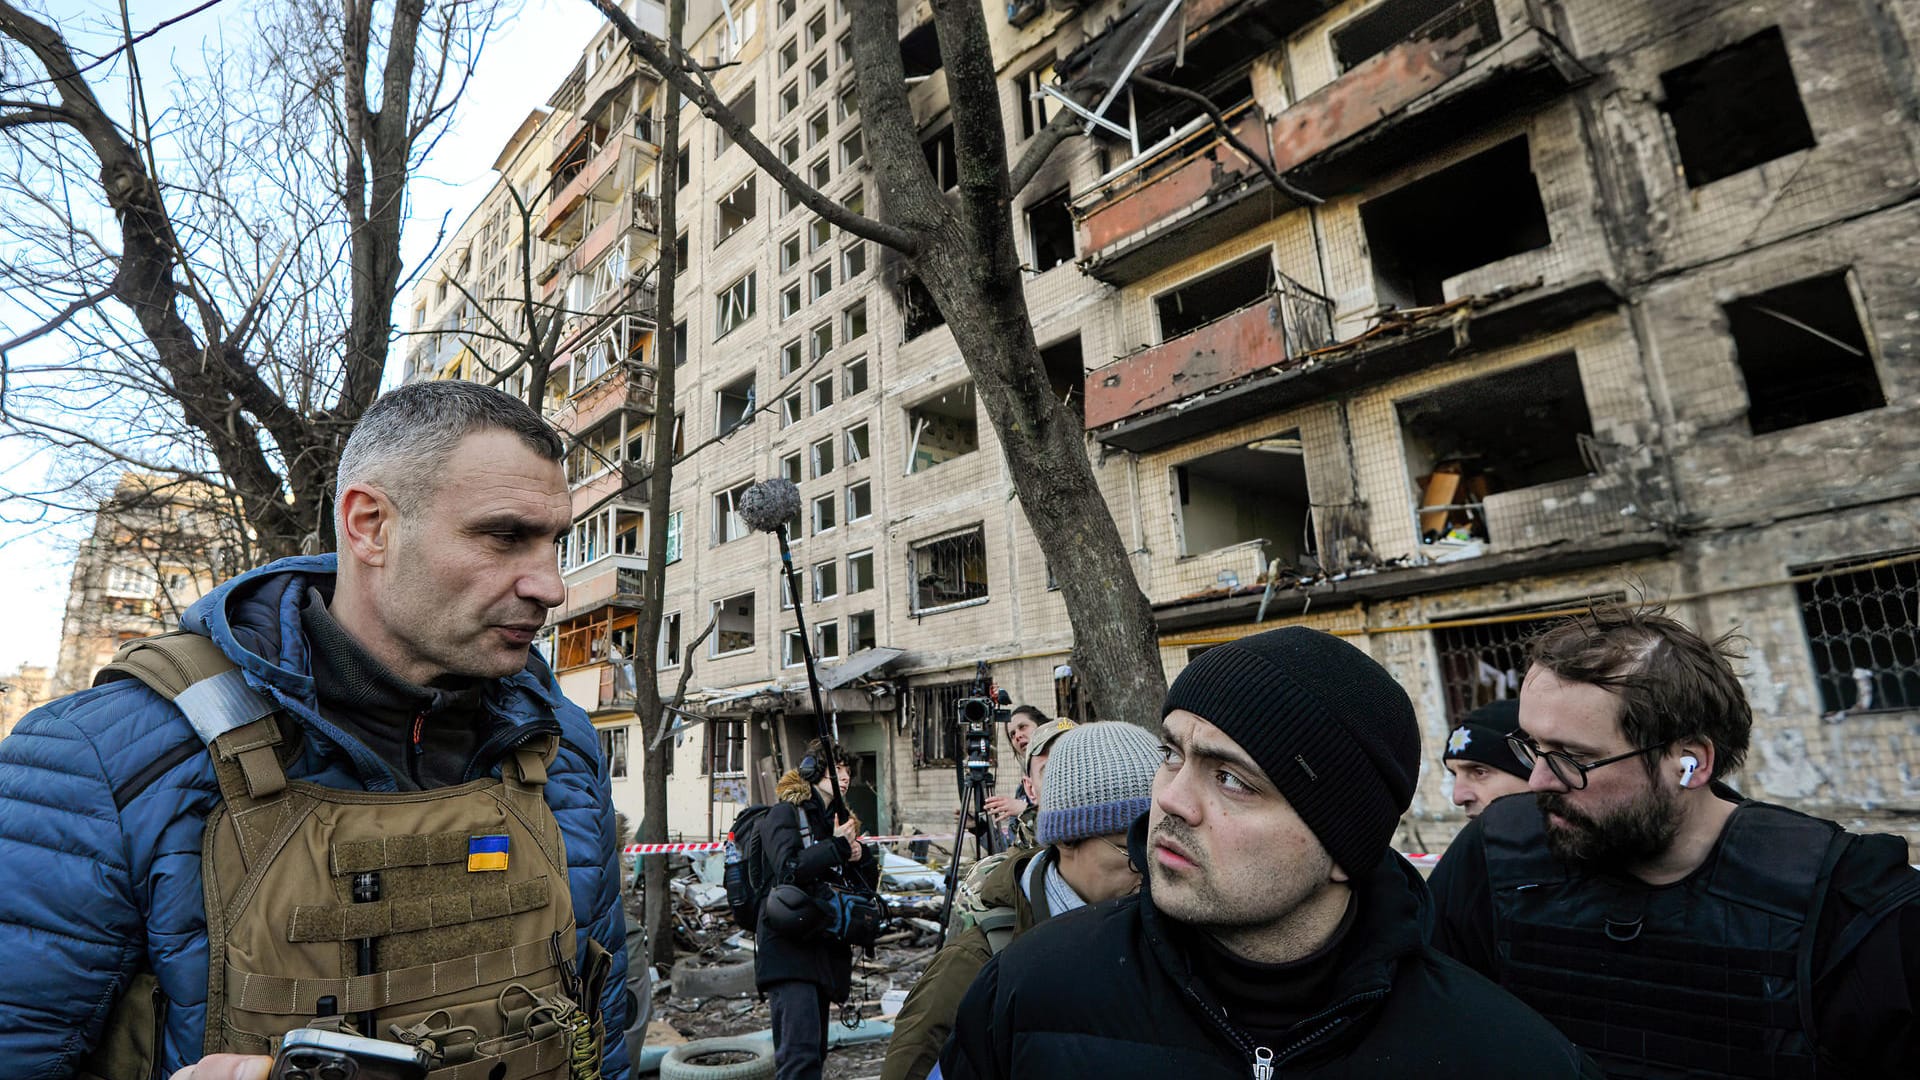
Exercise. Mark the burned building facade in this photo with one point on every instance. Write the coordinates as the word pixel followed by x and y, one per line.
pixel 1553 301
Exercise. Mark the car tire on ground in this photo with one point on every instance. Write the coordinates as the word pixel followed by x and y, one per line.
pixel 697 977
pixel 684 1062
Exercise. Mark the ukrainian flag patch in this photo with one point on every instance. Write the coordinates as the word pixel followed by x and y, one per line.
pixel 486 853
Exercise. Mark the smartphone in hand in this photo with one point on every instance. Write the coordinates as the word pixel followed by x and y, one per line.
pixel 313 1054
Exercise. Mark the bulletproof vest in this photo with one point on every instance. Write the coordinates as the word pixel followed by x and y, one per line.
pixel 1701 978
pixel 440 918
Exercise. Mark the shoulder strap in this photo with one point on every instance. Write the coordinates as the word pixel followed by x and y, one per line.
pixel 998 924
pixel 192 672
pixel 532 759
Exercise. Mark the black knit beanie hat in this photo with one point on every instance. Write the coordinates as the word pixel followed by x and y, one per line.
pixel 1328 726
pixel 1482 737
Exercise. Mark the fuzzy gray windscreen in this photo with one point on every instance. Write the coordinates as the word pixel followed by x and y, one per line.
pixel 769 503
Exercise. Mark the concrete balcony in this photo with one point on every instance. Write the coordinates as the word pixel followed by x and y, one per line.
pixel 626 385
pixel 1478 60
pixel 597 178
pixel 1175 200
pixel 1269 335
pixel 593 489
pixel 609 580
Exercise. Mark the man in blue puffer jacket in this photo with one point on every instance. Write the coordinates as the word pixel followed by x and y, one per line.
pixel 405 664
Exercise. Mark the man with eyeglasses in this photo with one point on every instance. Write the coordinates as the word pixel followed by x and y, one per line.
pixel 1275 933
pixel 1668 925
pixel 1091 781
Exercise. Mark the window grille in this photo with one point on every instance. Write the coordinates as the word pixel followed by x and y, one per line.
pixel 931 717
pixel 1484 662
pixel 948 571
pixel 1862 619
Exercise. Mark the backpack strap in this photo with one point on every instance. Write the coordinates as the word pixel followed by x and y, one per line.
pixel 997 923
pixel 532 759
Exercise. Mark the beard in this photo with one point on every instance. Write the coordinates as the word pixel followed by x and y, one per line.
pixel 1621 837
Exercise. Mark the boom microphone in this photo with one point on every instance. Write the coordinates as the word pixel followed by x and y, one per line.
pixel 769 504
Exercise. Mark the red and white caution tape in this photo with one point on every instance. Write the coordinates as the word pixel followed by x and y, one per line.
pixel 720 845
pixel 1418 859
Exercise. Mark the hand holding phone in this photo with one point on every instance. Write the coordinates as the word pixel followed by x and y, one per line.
pixel 313 1054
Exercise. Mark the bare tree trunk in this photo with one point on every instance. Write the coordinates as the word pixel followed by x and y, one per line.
pixel 653 774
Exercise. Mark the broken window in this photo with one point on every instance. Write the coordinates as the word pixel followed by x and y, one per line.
pixel 816 29
pixel 789 99
pixel 789 151
pixel 818 127
pixel 856 376
pixel 595 451
pixel 852 149
pixel 1512 429
pixel 822 393
pixel 1803 354
pixel 789 253
pixel 792 408
pixel 823 517
pixel 860 631
pixel 790 355
pixel 615 530
pixel 920 52
pixel 856 443
pixel 859 572
pixel 941 162
pixel 1255 492
pixel 941 429
pixel 789 55
pixel 791 654
pixel 826 640
pixel 736 210
pixel 820 280
pixel 789 301
pixel 1862 619
pixel 673 537
pixel 784 10
pixel 682 170
pixel 860 500
pixel 728 525
pixel 853 260
pixel 822 457
pixel 726 747
pixel 1735 108
pixel 820 341
pixel 668 654
pixel 736 304
pixel 733 625
pixel 849 99
pixel 949 570
pixel 790 469
pixel 1218 294
pixel 1050 231
pixel 822 172
pixel 1067 374
pixel 918 312
pixel 613 749
pixel 1391 22
pixel 1036 108
pixel 816 75
pixel 826 580
pixel 1465 216
pixel 819 234
pixel 681 254
pixel 735 404
pixel 742 108
pixel 853 322
pixel 680 343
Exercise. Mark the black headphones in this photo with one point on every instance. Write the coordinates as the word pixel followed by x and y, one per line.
pixel 812 769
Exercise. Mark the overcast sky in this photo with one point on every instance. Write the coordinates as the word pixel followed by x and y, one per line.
pixel 524 60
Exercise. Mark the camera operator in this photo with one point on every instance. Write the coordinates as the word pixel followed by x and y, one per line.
pixel 798 965
pixel 1013 814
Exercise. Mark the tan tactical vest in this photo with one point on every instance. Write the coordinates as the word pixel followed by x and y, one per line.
pixel 455 900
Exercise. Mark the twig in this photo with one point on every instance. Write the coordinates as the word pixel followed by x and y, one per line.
pixel 1305 198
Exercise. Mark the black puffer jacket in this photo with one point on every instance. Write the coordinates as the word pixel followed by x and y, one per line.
pixel 818 959
pixel 1102 992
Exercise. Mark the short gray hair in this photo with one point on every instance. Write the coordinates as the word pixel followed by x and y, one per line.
pixel 404 439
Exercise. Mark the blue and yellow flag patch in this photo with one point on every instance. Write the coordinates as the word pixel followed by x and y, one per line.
pixel 486 853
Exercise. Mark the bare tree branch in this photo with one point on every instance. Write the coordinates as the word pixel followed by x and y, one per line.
pixel 1304 198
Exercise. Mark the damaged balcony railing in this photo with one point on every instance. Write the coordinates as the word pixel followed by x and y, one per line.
pixel 1396 21
pixel 1273 331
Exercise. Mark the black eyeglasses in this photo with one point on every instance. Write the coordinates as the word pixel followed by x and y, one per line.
pixel 1565 769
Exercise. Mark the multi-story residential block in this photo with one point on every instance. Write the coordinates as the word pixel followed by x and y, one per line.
pixel 158 544
pixel 1559 299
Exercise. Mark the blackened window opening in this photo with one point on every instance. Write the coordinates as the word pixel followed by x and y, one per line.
pixel 1736 108
pixel 1465 216
pixel 920 51
pixel 1863 627
pixel 1246 493
pixel 1803 354
pixel 1067 374
pixel 941 162
pixel 1391 22
pixel 1514 429
pixel 918 312
pixel 1221 293
pixel 1050 228
pixel 950 570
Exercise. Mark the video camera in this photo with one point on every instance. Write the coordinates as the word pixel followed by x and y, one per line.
pixel 983 705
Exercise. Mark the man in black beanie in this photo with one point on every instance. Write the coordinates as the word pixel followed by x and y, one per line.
pixel 1275 931
pixel 1482 764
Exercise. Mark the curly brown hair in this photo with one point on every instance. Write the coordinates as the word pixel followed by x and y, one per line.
pixel 1672 683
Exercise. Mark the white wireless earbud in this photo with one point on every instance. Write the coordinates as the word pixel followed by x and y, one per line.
pixel 1688 764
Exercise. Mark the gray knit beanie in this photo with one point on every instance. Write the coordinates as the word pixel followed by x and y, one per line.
pixel 1328 726
pixel 1099 779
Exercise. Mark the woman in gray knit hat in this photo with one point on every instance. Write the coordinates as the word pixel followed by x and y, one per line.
pixel 1099 779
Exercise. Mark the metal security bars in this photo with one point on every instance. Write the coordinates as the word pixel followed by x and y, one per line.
pixel 1862 620
pixel 1484 662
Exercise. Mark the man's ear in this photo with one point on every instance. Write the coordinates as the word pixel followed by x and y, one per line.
pixel 1701 751
pixel 368 521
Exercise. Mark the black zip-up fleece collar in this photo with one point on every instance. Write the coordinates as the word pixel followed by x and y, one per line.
pixel 1386 929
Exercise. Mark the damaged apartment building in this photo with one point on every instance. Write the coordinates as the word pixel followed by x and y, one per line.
pixel 1417 321
pixel 1553 300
